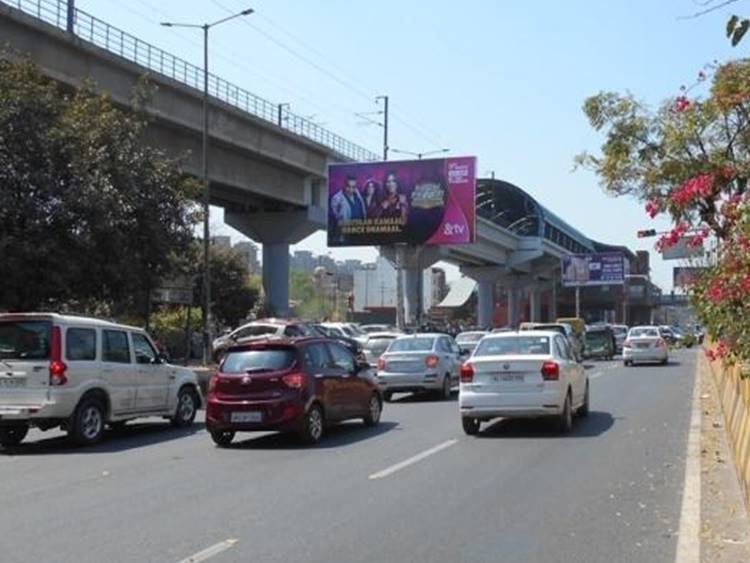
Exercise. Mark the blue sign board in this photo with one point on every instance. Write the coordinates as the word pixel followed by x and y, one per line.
pixel 581 270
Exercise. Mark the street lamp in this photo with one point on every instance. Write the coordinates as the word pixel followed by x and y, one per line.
pixel 206 184
pixel 419 155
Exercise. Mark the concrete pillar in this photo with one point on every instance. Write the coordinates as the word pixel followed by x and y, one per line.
pixel 535 305
pixel 411 294
pixel 485 303
pixel 276 277
pixel 553 302
pixel 414 261
pixel 513 307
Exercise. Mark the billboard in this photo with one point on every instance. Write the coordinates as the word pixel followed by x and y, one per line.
pixel 685 277
pixel 412 201
pixel 607 268
pixel 682 250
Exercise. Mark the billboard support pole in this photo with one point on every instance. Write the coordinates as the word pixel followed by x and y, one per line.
pixel 578 301
pixel 400 286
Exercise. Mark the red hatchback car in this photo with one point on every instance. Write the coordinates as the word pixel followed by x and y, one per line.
pixel 297 385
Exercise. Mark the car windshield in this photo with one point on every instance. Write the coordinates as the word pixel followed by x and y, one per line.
pixel 469 337
pixel 619 330
pixel 25 340
pixel 241 361
pixel 412 344
pixel 643 333
pixel 598 337
pixel 256 330
pixel 378 345
pixel 513 346
pixel 554 328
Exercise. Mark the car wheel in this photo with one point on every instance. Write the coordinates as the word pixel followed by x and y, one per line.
pixel 446 393
pixel 387 396
pixel 565 420
pixel 665 361
pixel 583 410
pixel 88 422
pixel 222 438
pixel 373 411
pixel 627 363
pixel 312 425
pixel 12 436
pixel 187 407
pixel 471 425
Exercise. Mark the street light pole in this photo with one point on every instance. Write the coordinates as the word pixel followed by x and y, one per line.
pixel 385 125
pixel 204 176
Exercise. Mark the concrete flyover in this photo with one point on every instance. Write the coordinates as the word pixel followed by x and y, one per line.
pixel 268 178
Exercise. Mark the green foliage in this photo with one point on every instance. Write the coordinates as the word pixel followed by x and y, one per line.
pixel 314 302
pixel 89 213
pixel 233 294
pixel 168 327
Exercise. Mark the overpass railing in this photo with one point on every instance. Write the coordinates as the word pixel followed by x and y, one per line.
pixel 129 47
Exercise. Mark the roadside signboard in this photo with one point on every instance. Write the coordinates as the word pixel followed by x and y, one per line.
pixel 581 270
pixel 412 201
pixel 684 277
pixel 178 291
pixel 683 249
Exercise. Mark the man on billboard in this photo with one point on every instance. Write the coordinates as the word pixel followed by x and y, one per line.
pixel 348 203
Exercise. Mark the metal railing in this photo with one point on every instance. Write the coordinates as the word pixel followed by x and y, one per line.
pixel 129 47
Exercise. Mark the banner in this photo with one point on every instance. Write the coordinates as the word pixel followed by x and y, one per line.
pixel 410 201
pixel 609 268
pixel 684 277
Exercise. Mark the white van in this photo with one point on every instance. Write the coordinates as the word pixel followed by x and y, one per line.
pixel 81 373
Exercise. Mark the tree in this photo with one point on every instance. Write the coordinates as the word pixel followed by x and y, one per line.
pixel 689 160
pixel 89 213
pixel 233 294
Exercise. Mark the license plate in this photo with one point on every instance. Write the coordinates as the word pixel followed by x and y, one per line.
pixel 247 416
pixel 508 377
pixel 12 383
pixel 643 346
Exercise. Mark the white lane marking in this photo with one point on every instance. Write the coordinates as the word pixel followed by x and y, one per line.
pixel 688 539
pixel 210 551
pixel 412 460
pixel 596 374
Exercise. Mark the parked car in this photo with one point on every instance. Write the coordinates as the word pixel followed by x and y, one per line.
pixel 349 330
pixel 259 329
pixel 377 344
pixel 298 385
pixel 599 342
pixel 645 344
pixel 81 373
pixel 519 375
pixel 467 341
pixel 621 333
pixel 370 328
pixel 419 362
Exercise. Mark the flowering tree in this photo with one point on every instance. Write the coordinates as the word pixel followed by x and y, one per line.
pixel 690 160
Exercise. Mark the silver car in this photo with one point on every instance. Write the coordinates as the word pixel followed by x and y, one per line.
pixel 377 344
pixel 420 362
pixel 468 340
pixel 644 344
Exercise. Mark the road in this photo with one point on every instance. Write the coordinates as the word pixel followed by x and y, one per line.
pixel 610 491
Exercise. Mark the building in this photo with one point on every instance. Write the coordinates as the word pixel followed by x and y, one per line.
pixel 303 260
pixel 222 241
pixel 249 252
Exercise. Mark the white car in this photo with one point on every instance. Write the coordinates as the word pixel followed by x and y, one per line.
pixel 349 330
pixel 81 373
pixel 419 362
pixel 377 344
pixel 522 375
pixel 644 344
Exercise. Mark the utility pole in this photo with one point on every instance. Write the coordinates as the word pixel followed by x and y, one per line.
pixel 206 184
pixel 385 125
pixel 280 108
pixel 71 19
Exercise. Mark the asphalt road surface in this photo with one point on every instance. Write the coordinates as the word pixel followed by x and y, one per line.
pixel 415 488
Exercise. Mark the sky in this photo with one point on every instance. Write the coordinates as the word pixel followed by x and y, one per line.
pixel 503 80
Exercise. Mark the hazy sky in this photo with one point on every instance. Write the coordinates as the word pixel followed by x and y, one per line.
pixel 503 80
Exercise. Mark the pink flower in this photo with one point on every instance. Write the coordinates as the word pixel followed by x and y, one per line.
pixel 652 208
pixel 700 186
pixel 681 103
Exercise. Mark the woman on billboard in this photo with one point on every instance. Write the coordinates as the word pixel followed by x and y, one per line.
pixel 373 199
pixel 394 204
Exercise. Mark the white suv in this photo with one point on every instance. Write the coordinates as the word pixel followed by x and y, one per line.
pixel 82 373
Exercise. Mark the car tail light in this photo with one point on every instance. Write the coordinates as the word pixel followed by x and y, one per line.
pixel 467 373
pixel 381 364
pixel 660 343
pixel 294 380
pixel 431 361
pixel 550 371
pixel 213 382
pixel 57 367
pixel 627 344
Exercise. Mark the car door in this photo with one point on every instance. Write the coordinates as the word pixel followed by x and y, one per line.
pixel 354 389
pixel 456 352
pixel 328 381
pixel 447 357
pixel 153 377
pixel 118 370
pixel 81 355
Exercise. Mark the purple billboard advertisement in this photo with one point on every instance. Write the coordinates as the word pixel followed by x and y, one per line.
pixel 411 201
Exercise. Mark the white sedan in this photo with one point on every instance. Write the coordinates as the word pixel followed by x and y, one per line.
pixel 644 344
pixel 522 375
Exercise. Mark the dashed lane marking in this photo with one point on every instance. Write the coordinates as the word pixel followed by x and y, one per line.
pixel 412 460
pixel 210 551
